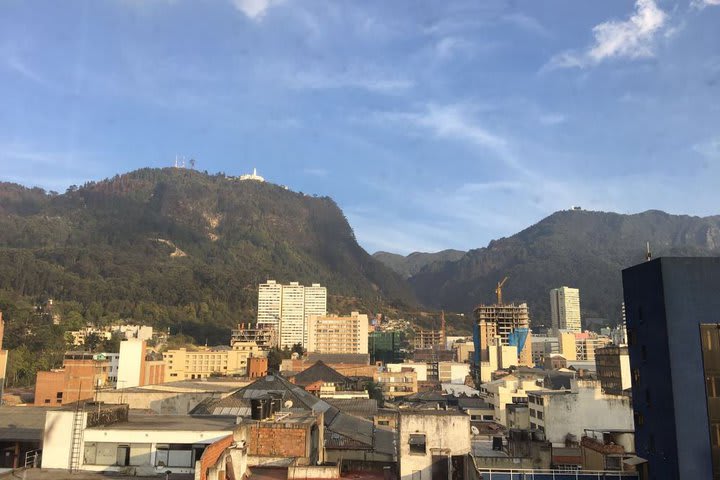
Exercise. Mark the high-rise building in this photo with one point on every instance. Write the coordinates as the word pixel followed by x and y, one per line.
pixel 292 316
pixel 672 306
pixel 316 305
pixel 287 308
pixel 335 334
pixel 510 326
pixel 565 309
pixel 269 304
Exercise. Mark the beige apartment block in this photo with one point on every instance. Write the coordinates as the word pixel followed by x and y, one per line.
pixel 185 364
pixel 397 384
pixel 565 309
pixel 336 334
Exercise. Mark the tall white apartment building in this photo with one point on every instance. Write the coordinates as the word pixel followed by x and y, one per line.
pixel 288 308
pixel 269 304
pixel 334 334
pixel 565 309
pixel 292 318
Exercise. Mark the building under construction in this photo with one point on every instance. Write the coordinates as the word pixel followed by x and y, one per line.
pixel 430 339
pixel 264 337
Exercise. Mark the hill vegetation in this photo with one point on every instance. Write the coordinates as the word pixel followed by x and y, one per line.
pixel 409 265
pixel 178 249
pixel 581 249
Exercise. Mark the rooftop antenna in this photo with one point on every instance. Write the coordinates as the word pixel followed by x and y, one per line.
pixel 648 253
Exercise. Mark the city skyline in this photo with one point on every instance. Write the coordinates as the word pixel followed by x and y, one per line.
pixel 452 124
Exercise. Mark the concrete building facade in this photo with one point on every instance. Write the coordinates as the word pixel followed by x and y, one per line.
pixel 397 384
pixel 565 309
pixel 506 390
pixel 564 415
pixel 433 445
pixel 337 334
pixel 613 368
pixel 288 309
pixel 184 364
pixel 671 307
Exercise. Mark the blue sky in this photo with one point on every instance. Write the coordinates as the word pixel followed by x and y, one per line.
pixel 432 124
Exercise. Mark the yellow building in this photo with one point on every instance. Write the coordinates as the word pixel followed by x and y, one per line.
pixel 335 334
pixel 184 364
pixel 397 384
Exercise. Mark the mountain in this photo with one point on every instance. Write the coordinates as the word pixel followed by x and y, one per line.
pixel 180 248
pixel 409 265
pixel 581 249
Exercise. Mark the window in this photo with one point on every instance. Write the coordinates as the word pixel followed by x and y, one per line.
pixel 174 455
pixel 540 415
pixel 384 423
pixel 636 375
pixel 639 419
pixel 417 443
pixel 715 434
pixel 643 353
pixel 647 397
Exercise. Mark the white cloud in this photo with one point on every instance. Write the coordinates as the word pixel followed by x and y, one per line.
pixel 705 3
pixel 552 118
pixel 632 38
pixel 527 23
pixel 457 122
pixel 364 79
pixel 254 9
pixel 709 149
pixel 316 172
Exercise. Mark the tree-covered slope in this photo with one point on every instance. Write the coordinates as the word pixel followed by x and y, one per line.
pixel 409 265
pixel 176 247
pixel 581 249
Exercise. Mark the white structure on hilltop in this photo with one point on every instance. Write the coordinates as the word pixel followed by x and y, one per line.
pixel 288 309
pixel 565 309
pixel 252 176
pixel 336 334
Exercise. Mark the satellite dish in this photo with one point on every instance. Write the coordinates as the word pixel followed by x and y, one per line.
pixel 475 430
pixel 288 404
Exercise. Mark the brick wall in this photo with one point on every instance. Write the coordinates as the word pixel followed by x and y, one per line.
pixel 212 454
pixel 277 440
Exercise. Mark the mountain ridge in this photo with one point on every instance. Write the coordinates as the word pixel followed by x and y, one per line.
pixel 582 249
pixel 181 248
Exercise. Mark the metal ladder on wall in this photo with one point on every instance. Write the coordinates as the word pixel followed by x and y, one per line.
pixel 77 434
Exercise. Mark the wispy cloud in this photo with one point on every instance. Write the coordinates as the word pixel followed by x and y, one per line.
pixel 705 3
pixel 354 78
pixel 528 23
pixel 632 38
pixel 456 122
pixel 255 9
pixel 552 118
pixel 316 172
pixel 709 149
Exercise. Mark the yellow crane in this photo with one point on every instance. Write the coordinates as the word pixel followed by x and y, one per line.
pixel 498 290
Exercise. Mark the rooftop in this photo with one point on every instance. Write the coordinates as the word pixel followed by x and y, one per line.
pixel 173 423
pixel 23 423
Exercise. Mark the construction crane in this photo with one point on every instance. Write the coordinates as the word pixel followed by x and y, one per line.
pixel 498 290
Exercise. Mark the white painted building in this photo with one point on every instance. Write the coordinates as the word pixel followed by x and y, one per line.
pixel 113 364
pixel 292 316
pixel 143 444
pixel 453 372
pixel 428 441
pixel 505 390
pixel 269 303
pixel 565 309
pixel 565 414
pixel 421 369
pixel 288 308
pixel 129 371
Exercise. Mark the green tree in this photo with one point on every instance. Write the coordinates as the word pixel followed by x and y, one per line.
pixel 92 342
